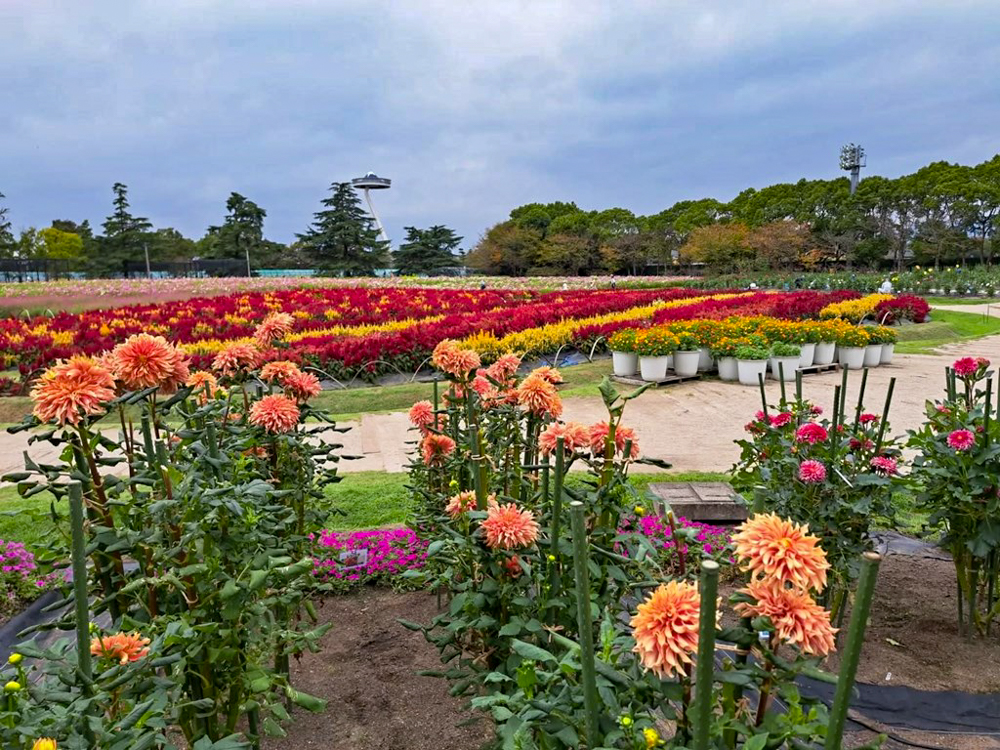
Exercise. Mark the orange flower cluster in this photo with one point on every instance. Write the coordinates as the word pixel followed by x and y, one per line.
pixel 199 382
pixel 599 436
pixel 273 328
pixel 71 390
pixel 436 448
pixel 785 564
pixel 576 437
pixel 275 413
pixel 508 527
pixel 236 359
pixel 120 647
pixel 665 628
pixel 144 361
pixel 537 393
pixel 449 357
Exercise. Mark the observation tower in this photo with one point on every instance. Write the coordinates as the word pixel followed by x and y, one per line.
pixel 369 182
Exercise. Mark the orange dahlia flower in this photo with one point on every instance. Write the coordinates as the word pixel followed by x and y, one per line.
pixel 550 374
pixel 796 618
pixel 458 504
pixel 120 647
pixel 276 372
pixel 422 414
pixel 665 628
pixel 575 437
pixel 199 381
pixel 144 361
pixel 436 448
pixel 771 547
pixel 508 527
pixel 275 413
pixel 450 358
pixel 599 436
pixel 71 390
pixel 236 358
pixel 302 386
pixel 273 328
pixel 539 396
pixel 504 368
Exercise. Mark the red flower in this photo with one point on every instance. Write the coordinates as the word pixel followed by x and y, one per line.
pixel 781 419
pixel 867 418
pixel 811 433
pixel 965 367
pixel 812 471
pixel 884 465
pixel 961 440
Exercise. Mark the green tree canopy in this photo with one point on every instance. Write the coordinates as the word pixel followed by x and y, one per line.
pixel 427 251
pixel 343 238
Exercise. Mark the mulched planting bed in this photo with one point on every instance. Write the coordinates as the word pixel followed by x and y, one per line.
pixel 367 670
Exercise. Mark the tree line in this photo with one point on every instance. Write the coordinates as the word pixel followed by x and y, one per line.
pixel 342 239
pixel 942 213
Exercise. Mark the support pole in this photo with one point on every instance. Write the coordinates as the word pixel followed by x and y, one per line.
pixel 705 667
pixel 584 623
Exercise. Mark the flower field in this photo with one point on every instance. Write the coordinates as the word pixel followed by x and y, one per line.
pixel 367 331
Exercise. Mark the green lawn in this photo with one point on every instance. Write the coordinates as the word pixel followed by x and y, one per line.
pixel 945 327
pixel 946 301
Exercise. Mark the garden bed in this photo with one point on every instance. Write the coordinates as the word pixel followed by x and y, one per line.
pixel 367 670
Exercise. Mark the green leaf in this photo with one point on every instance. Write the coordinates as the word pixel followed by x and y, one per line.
pixel 532 652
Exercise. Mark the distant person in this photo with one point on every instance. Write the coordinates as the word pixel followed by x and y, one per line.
pixel 565 286
pixel 886 287
pixel 614 282
pixel 798 282
pixel 753 286
pixel 482 286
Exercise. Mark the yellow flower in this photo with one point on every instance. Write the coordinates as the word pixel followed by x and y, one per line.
pixel 15 658
pixel 640 511
pixel 625 721
pixel 12 687
pixel 652 737
pixel 45 743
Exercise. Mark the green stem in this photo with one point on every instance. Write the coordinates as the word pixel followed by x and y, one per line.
pixel 704 669
pixel 557 498
pixel 852 650
pixel 584 622
pixel 81 602
pixel 861 396
pixel 885 414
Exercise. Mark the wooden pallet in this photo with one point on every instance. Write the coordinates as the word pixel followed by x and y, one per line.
pixel 819 368
pixel 669 380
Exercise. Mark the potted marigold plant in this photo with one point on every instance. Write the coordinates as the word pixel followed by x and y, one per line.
pixel 888 336
pixel 826 346
pixel 687 355
pixel 784 360
pixel 852 342
pixel 807 337
pixel 873 351
pixel 624 359
pixel 653 347
pixel 724 351
pixel 751 361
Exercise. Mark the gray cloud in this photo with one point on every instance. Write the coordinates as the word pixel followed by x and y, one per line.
pixel 473 108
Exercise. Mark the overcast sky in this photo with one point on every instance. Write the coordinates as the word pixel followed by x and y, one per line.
pixel 472 108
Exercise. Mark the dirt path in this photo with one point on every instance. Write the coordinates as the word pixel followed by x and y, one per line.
pixel 691 425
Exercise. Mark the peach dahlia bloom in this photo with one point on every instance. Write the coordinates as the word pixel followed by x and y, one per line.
pixel 550 374
pixel 273 328
pixel 422 414
pixel 796 618
pixel 276 372
pixel 302 386
pixel 575 437
pixel 449 357
pixel 69 390
pixel 199 381
pixel 275 413
pixel 539 396
pixel 144 361
pixel 771 547
pixel 120 647
pixel 508 527
pixel 436 448
pixel 599 436
pixel 665 628
pixel 236 358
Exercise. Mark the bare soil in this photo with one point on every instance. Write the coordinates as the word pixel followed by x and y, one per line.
pixel 916 606
pixel 367 670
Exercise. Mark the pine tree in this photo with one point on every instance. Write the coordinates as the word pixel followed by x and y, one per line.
pixel 7 241
pixel 242 232
pixel 428 251
pixel 123 237
pixel 343 238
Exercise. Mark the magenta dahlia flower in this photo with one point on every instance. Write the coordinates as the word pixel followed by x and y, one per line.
pixel 812 471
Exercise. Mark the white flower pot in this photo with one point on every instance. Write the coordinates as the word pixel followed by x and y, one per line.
pixel 784 366
pixel 728 368
pixel 806 355
pixel 625 363
pixel 686 363
pixel 670 361
pixel 705 360
pixel 653 368
pixel 750 369
pixel 825 351
pixel 873 355
pixel 852 357
pixel 887 352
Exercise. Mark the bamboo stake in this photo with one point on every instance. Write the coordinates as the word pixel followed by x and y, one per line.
pixel 861 396
pixel 781 381
pixel 584 622
pixel 80 599
pixel 557 498
pixel 852 650
pixel 763 393
pixel 885 413
pixel 705 667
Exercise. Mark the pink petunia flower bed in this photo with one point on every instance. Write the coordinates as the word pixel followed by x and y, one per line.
pixel 390 553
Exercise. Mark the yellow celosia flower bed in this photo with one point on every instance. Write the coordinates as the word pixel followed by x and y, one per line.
pixel 854 310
